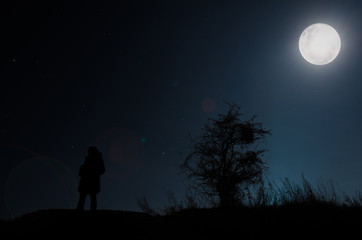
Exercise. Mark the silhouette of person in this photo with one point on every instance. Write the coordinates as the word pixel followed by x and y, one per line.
pixel 90 183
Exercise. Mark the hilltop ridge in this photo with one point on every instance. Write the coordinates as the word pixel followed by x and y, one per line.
pixel 249 223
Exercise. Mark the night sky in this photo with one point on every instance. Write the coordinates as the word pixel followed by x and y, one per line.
pixel 135 78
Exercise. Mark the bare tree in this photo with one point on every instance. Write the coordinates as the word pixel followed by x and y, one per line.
pixel 226 157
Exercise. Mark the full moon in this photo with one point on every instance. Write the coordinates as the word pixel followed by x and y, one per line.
pixel 319 44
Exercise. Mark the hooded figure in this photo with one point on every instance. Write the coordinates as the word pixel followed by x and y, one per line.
pixel 90 182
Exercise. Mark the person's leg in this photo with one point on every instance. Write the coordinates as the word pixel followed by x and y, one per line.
pixel 93 201
pixel 81 201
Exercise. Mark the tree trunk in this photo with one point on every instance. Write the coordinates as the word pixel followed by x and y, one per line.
pixel 227 198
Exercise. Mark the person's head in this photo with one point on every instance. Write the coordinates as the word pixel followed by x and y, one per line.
pixel 93 151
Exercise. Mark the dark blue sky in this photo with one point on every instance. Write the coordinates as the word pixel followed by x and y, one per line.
pixel 136 77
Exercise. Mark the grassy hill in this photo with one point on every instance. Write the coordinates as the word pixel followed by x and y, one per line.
pixel 241 223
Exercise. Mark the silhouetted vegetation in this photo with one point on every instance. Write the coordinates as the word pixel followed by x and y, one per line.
pixel 226 159
pixel 264 195
pixel 143 204
pixel 289 193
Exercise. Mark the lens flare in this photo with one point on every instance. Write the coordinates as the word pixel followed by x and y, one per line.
pixel 122 152
pixel 39 183
pixel 208 105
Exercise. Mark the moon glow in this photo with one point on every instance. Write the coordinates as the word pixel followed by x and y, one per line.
pixel 319 44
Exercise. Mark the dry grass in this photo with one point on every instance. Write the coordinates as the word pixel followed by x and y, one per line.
pixel 266 194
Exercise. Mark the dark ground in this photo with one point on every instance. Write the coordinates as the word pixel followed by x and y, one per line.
pixel 240 223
